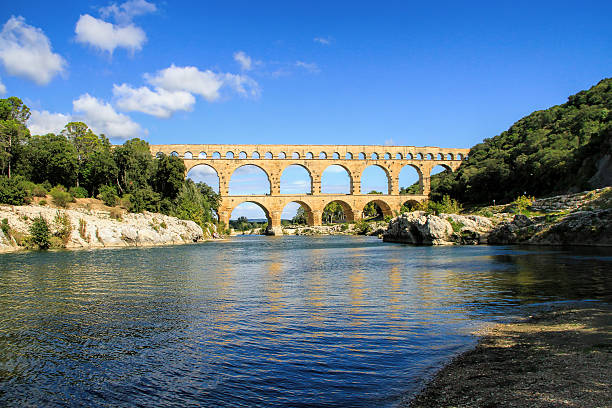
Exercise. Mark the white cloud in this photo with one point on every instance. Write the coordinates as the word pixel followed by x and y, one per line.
pixel 125 12
pixel 107 36
pixel 159 102
pixel 102 118
pixel 25 51
pixel 244 60
pixel 2 88
pixel 41 123
pixel 323 40
pixel 308 66
pixel 204 83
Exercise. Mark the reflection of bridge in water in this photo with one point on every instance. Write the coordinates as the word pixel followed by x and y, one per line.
pixel 274 159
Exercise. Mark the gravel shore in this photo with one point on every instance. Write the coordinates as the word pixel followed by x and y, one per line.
pixel 558 358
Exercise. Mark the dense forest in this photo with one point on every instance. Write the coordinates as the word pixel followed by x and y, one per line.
pixel 562 149
pixel 78 164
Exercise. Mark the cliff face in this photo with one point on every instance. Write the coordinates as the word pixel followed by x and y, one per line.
pixel 82 228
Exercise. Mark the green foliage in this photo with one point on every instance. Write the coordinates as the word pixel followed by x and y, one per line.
pixel 446 206
pixel 168 176
pixel 550 151
pixel 51 159
pixel 39 190
pixel 333 212
pixel 300 217
pixel 13 191
pixel 78 192
pixel 39 233
pixel 5 227
pixel 522 203
pixel 134 165
pixel 144 199
pixel 362 227
pixel 456 225
pixel 108 194
pixel 60 196
pixel 413 189
pixel 63 227
pixel 190 204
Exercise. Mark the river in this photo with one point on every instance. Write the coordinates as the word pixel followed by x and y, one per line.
pixel 263 321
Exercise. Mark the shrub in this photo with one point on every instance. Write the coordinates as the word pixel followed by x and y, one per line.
pixel 42 202
pixel 108 194
pixel 63 227
pixel 78 192
pixel 116 213
pixel 456 225
pixel 13 191
pixel 163 225
pixel 446 206
pixel 144 199
pixel 5 227
pixel 60 196
pixel 46 185
pixel 362 227
pixel 522 203
pixel 39 191
pixel 39 233
pixel 83 229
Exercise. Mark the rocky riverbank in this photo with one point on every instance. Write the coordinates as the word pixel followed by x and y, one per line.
pixel 557 358
pixel 89 228
pixel 575 219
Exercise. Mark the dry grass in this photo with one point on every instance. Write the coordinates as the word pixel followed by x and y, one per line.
pixel 557 359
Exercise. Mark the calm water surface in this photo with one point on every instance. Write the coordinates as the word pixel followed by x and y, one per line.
pixel 289 321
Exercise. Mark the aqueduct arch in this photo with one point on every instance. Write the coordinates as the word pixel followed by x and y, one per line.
pixel 225 159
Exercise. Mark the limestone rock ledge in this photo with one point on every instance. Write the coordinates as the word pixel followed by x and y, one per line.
pixel 446 229
pixel 96 229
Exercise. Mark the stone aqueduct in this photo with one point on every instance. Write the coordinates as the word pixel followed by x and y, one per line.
pixel 274 159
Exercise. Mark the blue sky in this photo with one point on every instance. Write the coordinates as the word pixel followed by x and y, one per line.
pixel 407 73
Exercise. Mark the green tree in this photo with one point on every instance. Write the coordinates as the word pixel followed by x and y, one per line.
pixel 333 212
pixel 51 158
pixel 134 165
pixel 39 233
pixel 300 217
pixel 169 175
pixel 85 142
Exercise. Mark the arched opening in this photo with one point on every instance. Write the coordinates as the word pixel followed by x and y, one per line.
pixel 216 155
pixel 295 179
pixel 337 211
pixel 374 156
pixel 229 155
pixel 440 168
pixel 202 155
pixel 250 217
pixel 309 155
pixel 376 210
pixel 348 156
pixel 419 156
pixel 374 178
pixel 409 206
pixel 203 173
pixel 282 155
pixel 449 156
pixel 295 155
pixel 268 155
pixel 440 156
pixel 322 155
pixel 255 155
pixel 410 180
pixel 159 155
pixel 249 180
pixel 362 156
pixel 297 213
pixel 387 156
pixel 409 156
pixel 429 156
pixel 336 156
pixel 398 156
pixel 175 154
pixel 459 156
pixel 335 180
pixel 242 155
pixel 188 155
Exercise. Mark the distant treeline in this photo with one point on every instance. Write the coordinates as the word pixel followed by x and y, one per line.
pixel 550 151
pixel 83 164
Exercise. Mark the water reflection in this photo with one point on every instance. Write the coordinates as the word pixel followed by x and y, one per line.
pixel 340 321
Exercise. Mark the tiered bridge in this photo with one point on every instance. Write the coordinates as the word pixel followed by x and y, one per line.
pixel 274 159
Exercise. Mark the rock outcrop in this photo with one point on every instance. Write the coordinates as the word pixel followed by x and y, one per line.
pixel 94 229
pixel 446 229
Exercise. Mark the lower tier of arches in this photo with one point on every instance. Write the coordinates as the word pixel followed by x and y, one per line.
pixel 353 206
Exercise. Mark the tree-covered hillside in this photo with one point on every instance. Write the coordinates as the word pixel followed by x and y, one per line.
pixel 564 148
